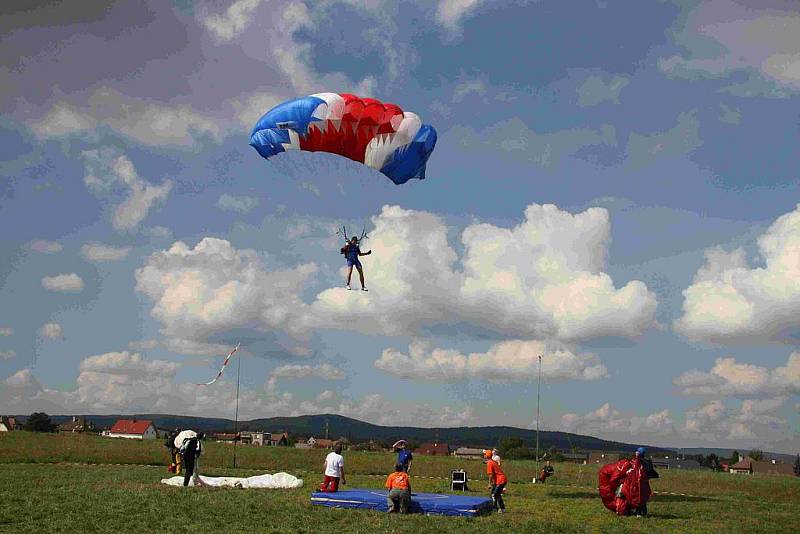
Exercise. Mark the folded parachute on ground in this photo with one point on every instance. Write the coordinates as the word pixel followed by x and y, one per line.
pixel 381 136
pixel 265 481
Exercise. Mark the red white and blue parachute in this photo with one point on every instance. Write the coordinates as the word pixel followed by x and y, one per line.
pixel 381 136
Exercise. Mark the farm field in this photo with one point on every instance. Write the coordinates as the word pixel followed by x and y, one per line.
pixel 62 483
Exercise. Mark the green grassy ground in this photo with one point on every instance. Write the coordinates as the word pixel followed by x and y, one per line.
pixel 45 484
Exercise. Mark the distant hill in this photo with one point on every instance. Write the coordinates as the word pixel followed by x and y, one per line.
pixel 358 431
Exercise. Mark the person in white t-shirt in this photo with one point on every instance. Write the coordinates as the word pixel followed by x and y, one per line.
pixel 334 471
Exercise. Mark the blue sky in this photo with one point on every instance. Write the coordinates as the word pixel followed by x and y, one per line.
pixel 614 186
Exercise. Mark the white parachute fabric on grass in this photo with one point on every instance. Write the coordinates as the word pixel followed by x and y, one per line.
pixel 265 481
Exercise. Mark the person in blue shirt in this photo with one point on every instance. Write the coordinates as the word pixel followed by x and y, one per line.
pixel 351 253
pixel 404 456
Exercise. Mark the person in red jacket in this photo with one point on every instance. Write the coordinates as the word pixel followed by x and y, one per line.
pixel 624 486
pixel 497 481
pixel 399 487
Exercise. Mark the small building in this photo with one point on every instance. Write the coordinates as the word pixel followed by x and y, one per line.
pixel 433 449
pixel 132 429
pixel 321 443
pixel 602 457
pixel 576 457
pixel 468 453
pixel 676 463
pixel 302 443
pixel 277 439
pixel 78 425
pixel 223 437
pixel 748 466
pixel 253 438
pixel 9 424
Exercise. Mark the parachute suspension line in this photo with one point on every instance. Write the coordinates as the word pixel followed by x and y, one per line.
pixel 538 397
pixel 236 415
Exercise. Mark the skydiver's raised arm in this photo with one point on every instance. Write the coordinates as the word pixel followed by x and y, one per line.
pixel 367 253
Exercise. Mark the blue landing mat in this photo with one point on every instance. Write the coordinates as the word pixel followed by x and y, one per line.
pixel 421 503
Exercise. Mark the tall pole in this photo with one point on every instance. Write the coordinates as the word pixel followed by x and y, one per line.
pixel 236 418
pixel 538 397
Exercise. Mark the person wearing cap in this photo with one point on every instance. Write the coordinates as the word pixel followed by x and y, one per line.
pixel 497 482
pixel 399 486
pixel 404 456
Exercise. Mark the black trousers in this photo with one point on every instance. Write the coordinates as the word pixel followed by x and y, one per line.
pixel 497 496
pixel 188 466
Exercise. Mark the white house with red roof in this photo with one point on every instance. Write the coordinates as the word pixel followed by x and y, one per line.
pixel 132 429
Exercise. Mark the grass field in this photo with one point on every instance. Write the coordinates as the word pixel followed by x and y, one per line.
pixel 91 484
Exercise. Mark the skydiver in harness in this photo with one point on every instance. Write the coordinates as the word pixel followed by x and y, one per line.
pixel 351 253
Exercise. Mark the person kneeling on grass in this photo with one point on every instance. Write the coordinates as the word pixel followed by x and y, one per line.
pixel 334 470
pixel 399 487
pixel 497 482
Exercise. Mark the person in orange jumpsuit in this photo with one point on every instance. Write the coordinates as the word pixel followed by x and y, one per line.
pixel 399 486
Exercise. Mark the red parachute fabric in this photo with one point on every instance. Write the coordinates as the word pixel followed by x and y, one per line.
pixel 362 119
pixel 632 476
pixel 609 479
pixel 636 486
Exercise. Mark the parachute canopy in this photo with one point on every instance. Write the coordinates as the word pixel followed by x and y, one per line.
pixel 381 136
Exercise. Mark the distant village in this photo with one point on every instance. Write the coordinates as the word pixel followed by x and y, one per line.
pixel 141 429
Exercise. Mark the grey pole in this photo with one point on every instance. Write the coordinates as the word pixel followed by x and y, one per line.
pixel 538 397
pixel 236 418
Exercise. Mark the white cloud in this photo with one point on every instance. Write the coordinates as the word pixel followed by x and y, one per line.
pixel 233 21
pixel 144 121
pixel 145 344
pixel 730 302
pixel 542 279
pixel 610 422
pixel 45 247
pixel 463 89
pixel 754 424
pixel 7 354
pixel 682 139
pixel 294 57
pixel 99 252
pixel 240 204
pixel 323 371
pixel 107 171
pixel 127 363
pixel 64 283
pixel 507 361
pixel 208 289
pixel 158 232
pixel 51 331
pixel 5 331
pixel 326 396
pixel 722 38
pixel 121 382
pixel 596 90
pixel 449 13
pixel 515 139
pixel 728 377
pixel 311 188
pixel 729 115
pixel 250 108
